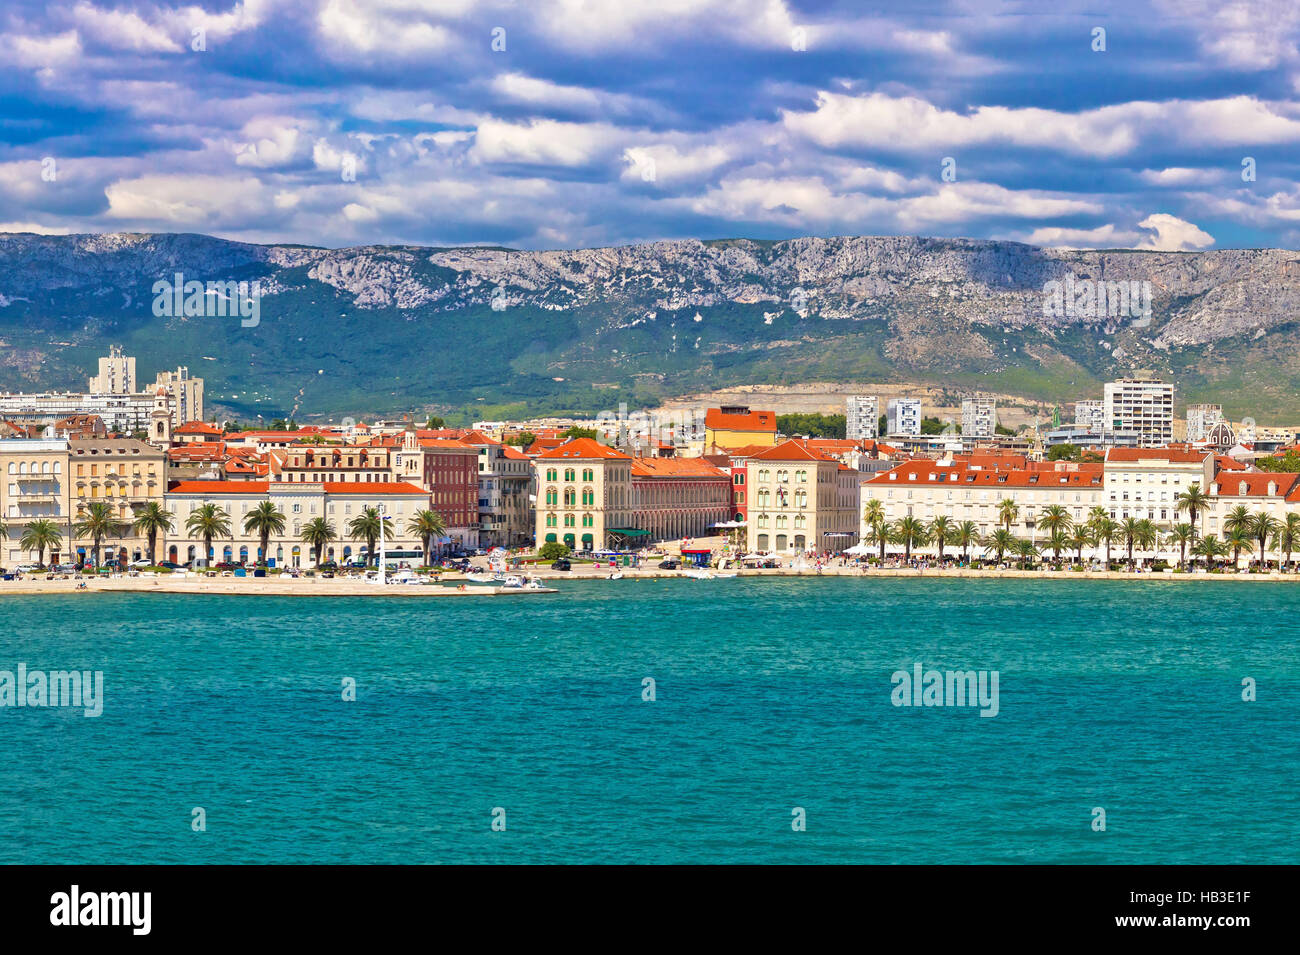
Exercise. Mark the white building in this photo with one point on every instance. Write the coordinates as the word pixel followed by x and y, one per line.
pixel 1144 483
pixel 1201 420
pixel 116 374
pixel 903 416
pixel 979 416
pixel 1142 405
pixel 862 417
pixel 1089 414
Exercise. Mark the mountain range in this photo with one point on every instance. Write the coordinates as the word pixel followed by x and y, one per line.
pixel 484 331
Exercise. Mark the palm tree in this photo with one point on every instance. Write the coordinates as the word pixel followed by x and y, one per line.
pixel 1263 526
pixel 151 519
pixel 208 521
pixel 367 525
pixel 4 530
pixel 1007 513
pixel 1027 551
pixel 426 525
pixel 965 536
pixel 318 532
pixel 877 527
pixel 1182 535
pixel 1285 540
pixel 999 543
pixel 1055 518
pixel 1105 530
pixel 1237 539
pixel 1056 542
pixel 1079 539
pixel 1129 529
pixel 1148 535
pixel 99 522
pixel 910 532
pixel 39 536
pixel 264 520
pixel 1238 519
pixel 1208 547
pixel 1193 501
pixel 941 531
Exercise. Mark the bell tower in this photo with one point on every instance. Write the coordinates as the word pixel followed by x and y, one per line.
pixel 160 419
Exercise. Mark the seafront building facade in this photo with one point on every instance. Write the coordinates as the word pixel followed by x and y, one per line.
pixel 584 497
pixel 299 502
pixel 798 501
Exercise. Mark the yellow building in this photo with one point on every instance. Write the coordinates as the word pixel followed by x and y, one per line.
pixel 125 474
pixel 738 427
pixel 801 500
pixel 584 497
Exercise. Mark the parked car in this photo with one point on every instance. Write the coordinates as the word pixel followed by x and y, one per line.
pixel 561 564
pixel 169 564
pixel 28 568
pixel 670 564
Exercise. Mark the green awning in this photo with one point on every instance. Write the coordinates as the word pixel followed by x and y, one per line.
pixel 628 531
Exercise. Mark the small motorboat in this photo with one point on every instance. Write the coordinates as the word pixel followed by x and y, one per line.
pixel 486 580
pixel 616 575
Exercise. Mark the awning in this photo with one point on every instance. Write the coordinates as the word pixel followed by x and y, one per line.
pixel 628 531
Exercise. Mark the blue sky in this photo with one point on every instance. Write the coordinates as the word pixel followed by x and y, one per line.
pixel 577 123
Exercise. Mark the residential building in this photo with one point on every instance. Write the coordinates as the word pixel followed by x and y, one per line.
pixel 123 473
pixel 736 426
pixel 1144 483
pixel 505 517
pixel 979 416
pixel 1142 405
pixel 903 416
pixel 1090 414
pixel 862 417
pixel 315 463
pixel 448 470
pixel 116 374
pixel 797 501
pixel 1272 493
pixel 34 487
pixel 338 502
pixel 1201 420
pixel 585 497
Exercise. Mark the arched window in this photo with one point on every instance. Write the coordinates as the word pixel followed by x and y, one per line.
pixel 570 497
pixel 550 474
pixel 588 474
pixel 569 474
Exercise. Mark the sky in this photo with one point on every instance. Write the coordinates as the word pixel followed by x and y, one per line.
pixel 548 124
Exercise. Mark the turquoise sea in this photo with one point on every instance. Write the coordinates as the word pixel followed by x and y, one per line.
pixel 770 694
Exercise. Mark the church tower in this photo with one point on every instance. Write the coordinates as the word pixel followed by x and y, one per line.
pixel 160 420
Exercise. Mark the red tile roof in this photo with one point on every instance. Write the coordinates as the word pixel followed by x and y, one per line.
pixel 1172 455
pixel 1256 484
pixel 715 420
pixel 675 467
pixel 197 427
pixel 790 451
pixel 262 487
pixel 580 448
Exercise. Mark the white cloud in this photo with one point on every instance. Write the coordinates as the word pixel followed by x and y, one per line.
pixel 1172 234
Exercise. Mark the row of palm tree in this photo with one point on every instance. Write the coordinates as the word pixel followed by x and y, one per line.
pixel 1242 531
pixel 211 522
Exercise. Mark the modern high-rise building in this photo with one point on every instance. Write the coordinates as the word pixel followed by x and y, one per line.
pixel 979 416
pixel 1089 414
pixel 903 416
pixel 186 394
pixel 1201 420
pixel 116 374
pixel 862 417
pixel 1143 405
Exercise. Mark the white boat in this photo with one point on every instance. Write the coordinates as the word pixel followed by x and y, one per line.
pixel 616 575
pixel 513 582
pixel 534 583
pixel 489 580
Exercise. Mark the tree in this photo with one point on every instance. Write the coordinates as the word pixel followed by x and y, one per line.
pixel 4 530
pixel 149 521
pixel 941 531
pixel 367 525
pixel 910 532
pixel 877 527
pixel 1080 538
pixel 579 432
pixel 1237 539
pixel 1129 529
pixel 100 521
pixel 1148 535
pixel 1064 452
pixel 1285 540
pixel 426 524
pixel 965 536
pixel 1055 518
pixel 435 423
pixel 1057 541
pixel 999 543
pixel 264 520
pixel 1182 535
pixel 40 536
pixel 1193 501
pixel 521 440
pixel 1264 525
pixel 1209 547
pixel 318 532
pixel 1008 513
pixel 1105 530
pixel 1027 551
pixel 553 550
pixel 207 522
pixel 814 425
